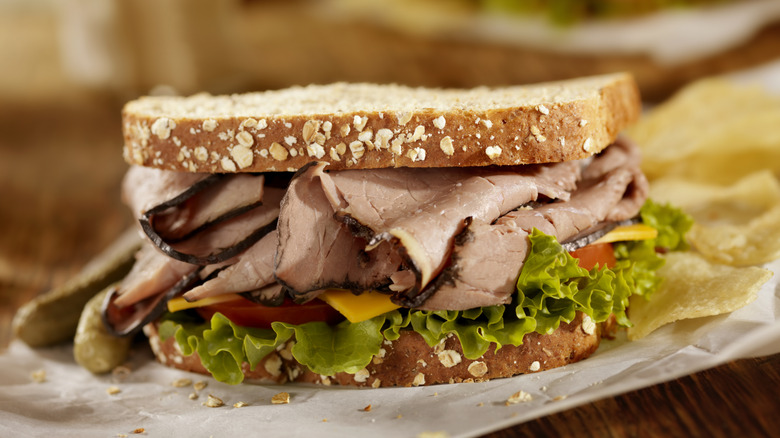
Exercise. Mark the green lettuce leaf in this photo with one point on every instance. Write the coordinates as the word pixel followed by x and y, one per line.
pixel 223 346
pixel 551 289
pixel 671 222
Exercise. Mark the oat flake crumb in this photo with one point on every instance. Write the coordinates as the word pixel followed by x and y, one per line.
pixel 138 431
pixel 449 358
pixel 588 145
pixel 113 390
pixel 478 369
pixel 367 409
pixel 437 434
pixel 242 155
pixel 181 383
pixel 228 164
pixel 446 146
pixel 519 397
pixel 239 404
pixel 209 125
pixel 162 127
pixel 361 376
pixel 588 326
pixel 493 152
pixel 39 376
pixel 281 398
pixel 213 402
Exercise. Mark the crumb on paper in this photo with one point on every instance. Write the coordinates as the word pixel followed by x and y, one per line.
pixel 519 397
pixel 281 398
pixel 239 404
pixel 324 420
pixel 193 396
pixel 121 435
pixel 559 398
pixel 437 434
pixel 213 402
pixel 121 371
pixel 38 376
pixel 139 431
pixel 113 390
pixel 200 386
pixel 480 404
pixel 367 408
pixel 399 416
pixel 181 383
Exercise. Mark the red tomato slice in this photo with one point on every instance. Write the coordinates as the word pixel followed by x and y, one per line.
pixel 598 254
pixel 250 314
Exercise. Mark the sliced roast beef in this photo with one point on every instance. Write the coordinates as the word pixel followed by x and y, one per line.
pixel 487 258
pixel 152 274
pixel 189 201
pixel 316 251
pixel 189 213
pixel 231 237
pixel 128 320
pixel 145 187
pixel 421 210
pixel 156 271
pixel 221 201
pixel 396 219
pixel 252 270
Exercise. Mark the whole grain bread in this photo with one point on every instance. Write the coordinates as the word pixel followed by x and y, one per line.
pixel 410 361
pixel 364 126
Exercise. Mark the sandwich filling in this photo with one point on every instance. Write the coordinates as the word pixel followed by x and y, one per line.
pixel 481 253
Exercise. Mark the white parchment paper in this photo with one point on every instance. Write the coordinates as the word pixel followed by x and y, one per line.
pixel 73 402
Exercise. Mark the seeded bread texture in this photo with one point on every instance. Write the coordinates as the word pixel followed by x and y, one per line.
pixel 410 361
pixel 365 126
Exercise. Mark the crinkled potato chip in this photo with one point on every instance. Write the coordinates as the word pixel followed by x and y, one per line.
pixel 737 225
pixel 755 243
pixel 713 150
pixel 709 204
pixel 713 131
pixel 692 288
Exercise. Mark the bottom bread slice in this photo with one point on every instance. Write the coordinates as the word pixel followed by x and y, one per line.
pixel 410 361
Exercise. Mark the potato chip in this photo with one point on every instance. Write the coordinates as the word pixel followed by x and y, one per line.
pixel 693 288
pixel 755 243
pixel 713 131
pixel 737 225
pixel 710 204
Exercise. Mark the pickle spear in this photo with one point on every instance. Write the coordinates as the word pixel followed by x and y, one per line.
pixel 93 347
pixel 52 318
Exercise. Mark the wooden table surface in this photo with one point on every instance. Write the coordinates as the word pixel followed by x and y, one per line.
pixel 60 167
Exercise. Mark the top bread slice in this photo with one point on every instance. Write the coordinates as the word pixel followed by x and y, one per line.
pixel 366 126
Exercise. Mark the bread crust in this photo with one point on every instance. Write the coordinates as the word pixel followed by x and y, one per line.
pixel 410 361
pixel 405 127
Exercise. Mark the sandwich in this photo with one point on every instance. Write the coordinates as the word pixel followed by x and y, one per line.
pixel 381 235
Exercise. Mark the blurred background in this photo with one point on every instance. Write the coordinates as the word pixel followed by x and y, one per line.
pixel 67 67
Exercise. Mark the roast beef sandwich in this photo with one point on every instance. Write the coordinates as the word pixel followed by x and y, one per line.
pixel 380 235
